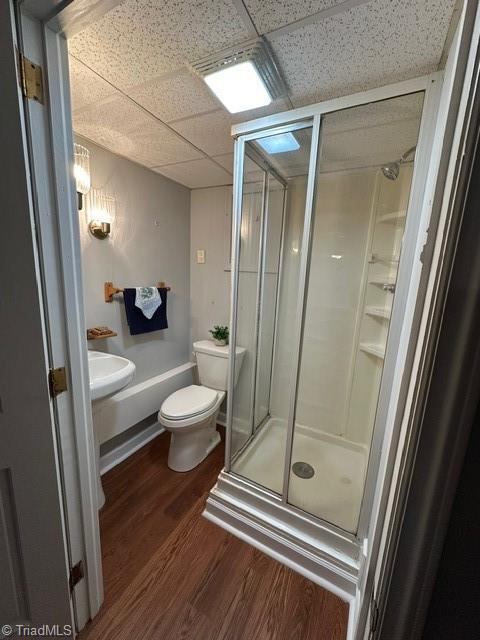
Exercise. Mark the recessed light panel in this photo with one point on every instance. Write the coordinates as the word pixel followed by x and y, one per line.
pixel 244 77
pixel 281 143
pixel 239 87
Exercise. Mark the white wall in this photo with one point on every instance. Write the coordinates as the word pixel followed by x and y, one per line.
pixel 149 242
pixel 210 219
pixel 340 241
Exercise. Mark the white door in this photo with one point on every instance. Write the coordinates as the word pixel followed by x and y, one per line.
pixel 34 568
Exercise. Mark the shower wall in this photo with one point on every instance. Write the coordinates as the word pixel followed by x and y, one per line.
pixel 340 400
pixel 342 215
pixel 285 349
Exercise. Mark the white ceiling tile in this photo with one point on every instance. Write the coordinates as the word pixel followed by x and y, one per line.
pixel 124 128
pixel 211 132
pixel 226 161
pixel 272 14
pixel 406 107
pixel 86 86
pixel 142 39
pixel 371 45
pixel 275 107
pixel 372 146
pixel 196 174
pixel 175 96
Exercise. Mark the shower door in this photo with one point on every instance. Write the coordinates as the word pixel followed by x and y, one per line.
pixel 258 255
pixel 314 313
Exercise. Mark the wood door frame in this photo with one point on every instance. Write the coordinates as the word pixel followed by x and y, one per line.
pixel 51 149
pixel 71 271
pixel 37 520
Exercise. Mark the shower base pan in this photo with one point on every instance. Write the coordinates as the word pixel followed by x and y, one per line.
pixel 333 492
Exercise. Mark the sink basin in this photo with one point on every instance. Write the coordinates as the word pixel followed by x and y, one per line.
pixel 108 373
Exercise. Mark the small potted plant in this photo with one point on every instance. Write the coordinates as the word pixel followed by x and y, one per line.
pixel 219 335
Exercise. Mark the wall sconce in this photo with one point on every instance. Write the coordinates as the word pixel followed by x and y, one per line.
pixel 81 171
pixel 101 213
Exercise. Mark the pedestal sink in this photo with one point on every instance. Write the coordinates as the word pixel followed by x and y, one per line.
pixel 108 374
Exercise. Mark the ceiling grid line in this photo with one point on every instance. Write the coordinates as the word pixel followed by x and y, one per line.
pixel 323 14
pixel 156 118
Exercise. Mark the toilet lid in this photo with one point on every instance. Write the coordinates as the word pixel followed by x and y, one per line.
pixel 188 401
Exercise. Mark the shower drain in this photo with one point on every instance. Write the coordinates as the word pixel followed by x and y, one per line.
pixel 303 470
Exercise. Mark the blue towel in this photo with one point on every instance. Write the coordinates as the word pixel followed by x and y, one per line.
pixel 137 322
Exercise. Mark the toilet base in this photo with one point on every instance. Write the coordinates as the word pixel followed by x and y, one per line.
pixel 188 450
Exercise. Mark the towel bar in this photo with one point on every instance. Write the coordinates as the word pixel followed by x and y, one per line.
pixel 110 290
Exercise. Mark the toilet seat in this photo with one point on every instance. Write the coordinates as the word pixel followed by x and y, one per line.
pixel 189 402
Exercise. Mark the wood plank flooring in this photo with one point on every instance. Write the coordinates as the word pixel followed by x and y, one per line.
pixel 172 575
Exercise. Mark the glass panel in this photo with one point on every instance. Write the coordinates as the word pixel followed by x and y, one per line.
pixel 263 459
pixel 272 234
pixel 248 283
pixel 362 191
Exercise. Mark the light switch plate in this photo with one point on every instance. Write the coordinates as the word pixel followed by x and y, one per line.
pixel 200 256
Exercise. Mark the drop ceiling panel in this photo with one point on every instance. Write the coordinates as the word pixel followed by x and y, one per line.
pixel 272 14
pixel 372 146
pixel 210 132
pixel 137 41
pixel 86 86
pixel 124 128
pixel 196 174
pixel 406 107
pixel 370 45
pixel 281 104
pixel 226 161
pixel 175 96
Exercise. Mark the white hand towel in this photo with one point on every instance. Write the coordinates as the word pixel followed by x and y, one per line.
pixel 147 299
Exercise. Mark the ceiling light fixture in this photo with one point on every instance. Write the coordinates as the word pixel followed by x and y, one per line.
pixel 243 78
pixel 239 88
pixel 280 143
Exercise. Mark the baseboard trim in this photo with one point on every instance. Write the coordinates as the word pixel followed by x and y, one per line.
pixel 126 449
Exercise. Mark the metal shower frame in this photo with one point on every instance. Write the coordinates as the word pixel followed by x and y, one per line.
pixel 398 333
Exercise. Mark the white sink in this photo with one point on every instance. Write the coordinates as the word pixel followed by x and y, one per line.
pixel 108 373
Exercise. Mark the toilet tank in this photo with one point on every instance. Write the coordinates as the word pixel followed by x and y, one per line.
pixel 212 363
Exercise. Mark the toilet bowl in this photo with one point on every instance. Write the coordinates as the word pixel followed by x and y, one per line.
pixel 190 414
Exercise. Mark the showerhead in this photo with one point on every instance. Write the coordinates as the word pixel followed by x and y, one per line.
pixel 391 171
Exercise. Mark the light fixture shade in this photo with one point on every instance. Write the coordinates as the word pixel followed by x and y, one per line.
pixel 100 206
pixel 243 77
pixel 81 168
pixel 239 87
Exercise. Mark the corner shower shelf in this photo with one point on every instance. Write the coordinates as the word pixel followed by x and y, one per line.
pixel 394 217
pixel 378 312
pixel 376 350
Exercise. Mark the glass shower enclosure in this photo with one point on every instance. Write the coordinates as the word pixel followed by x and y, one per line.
pixel 323 207
pixel 328 204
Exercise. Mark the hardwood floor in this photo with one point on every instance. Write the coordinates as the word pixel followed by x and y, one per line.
pixel 172 575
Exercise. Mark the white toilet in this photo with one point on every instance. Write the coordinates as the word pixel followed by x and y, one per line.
pixel 190 414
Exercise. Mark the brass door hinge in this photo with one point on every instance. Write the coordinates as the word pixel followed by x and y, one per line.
pixel 57 380
pixel 31 79
pixel 77 572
